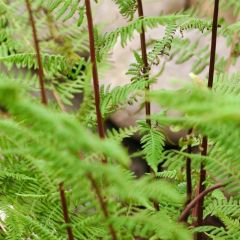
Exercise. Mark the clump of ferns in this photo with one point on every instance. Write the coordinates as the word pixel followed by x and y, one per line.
pixel 79 184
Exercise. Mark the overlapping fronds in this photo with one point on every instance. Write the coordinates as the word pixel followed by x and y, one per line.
pixel 211 113
pixel 42 147
pixel 126 33
pixel 26 128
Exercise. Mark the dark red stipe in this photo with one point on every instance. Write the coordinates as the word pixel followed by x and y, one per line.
pixel 37 50
pixel 94 69
pixel 144 58
pixel 200 204
pixel 196 200
pixel 65 211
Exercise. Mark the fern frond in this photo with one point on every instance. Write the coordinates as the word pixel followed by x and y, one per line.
pixel 28 60
pixel 153 143
pixel 126 33
pixel 153 229
pixel 167 174
pixel 119 135
pixel 127 7
pixel 215 115
pixel 67 8
pixel 162 47
pixel 119 96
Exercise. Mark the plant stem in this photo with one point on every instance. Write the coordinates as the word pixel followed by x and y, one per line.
pixel 200 204
pixel 94 69
pixel 103 204
pixel 145 60
pixel 145 72
pixel 198 198
pixel 65 211
pixel 201 188
pixel 189 171
pixel 45 102
pixel 101 132
pixel 37 49
pixel 213 44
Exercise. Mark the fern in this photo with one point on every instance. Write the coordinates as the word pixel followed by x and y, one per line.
pixel 122 133
pixel 153 143
pixel 118 96
pixel 127 8
pixel 126 33
pixel 43 146
pixel 67 8
pixel 28 60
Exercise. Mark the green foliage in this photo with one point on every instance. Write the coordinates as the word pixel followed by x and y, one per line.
pixel 153 144
pixel 61 8
pixel 126 33
pixel 113 99
pixel 127 7
pixel 43 146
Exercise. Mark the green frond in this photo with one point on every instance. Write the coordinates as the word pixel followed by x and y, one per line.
pixel 228 207
pixel 153 143
pixel 122 133
pixel 167 174
pixel 28 60
pixel 152 229
pixel 162 47
pixel 195 23
pixel 214 114
pixel 118 97
pixel 65 9
pixel 127 8
pixel 126 33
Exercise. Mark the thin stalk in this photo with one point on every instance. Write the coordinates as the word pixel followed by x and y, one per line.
pixel 94 69
pixel 103 205
pixel 201 187
pixel 45 102
pixel 37 50
pixel 189 171
pixel 65 211
pixel 213 44
pixel 198 198
pixel 145 59
pixel 146 73
pixel 200 204
pixel 102 202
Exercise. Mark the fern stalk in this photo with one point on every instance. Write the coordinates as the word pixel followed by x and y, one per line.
pixel 45 102
pixel 103 204
pixel 37 49
pixel 65 211
pixel 144 58
pixel 199 206
pixel 189 171
pixel 145 72
pixel 94 69
pixel 101 132
pixel 199 197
